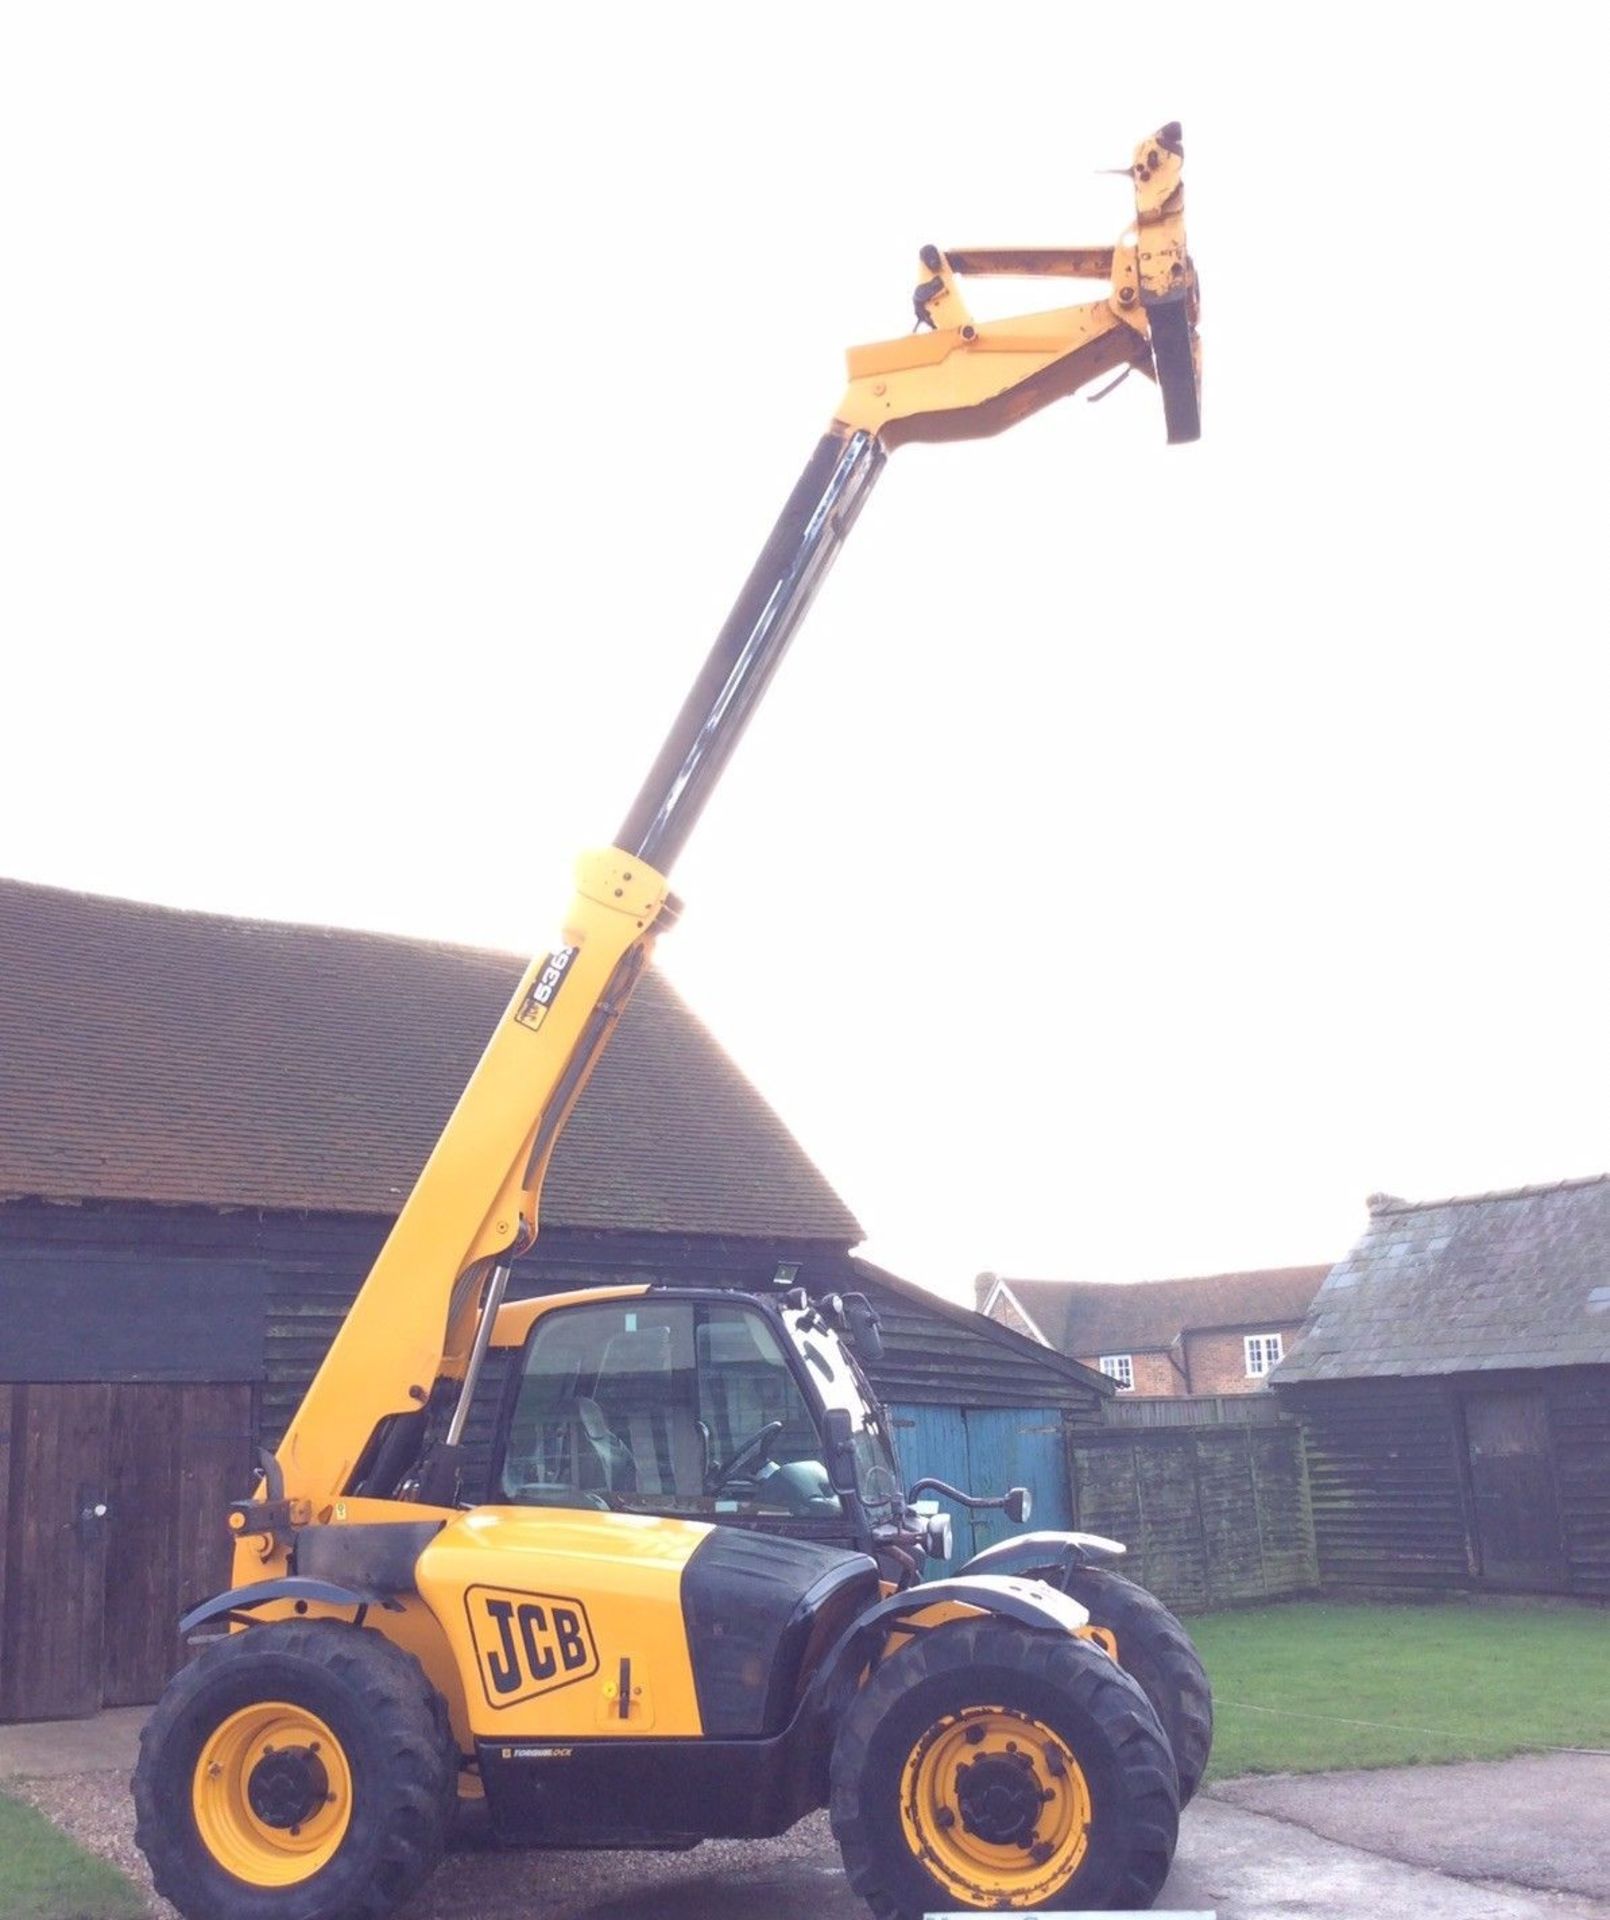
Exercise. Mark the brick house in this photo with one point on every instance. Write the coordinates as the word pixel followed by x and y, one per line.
pixel 1219 1333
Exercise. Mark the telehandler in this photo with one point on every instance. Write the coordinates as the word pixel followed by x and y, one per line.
pixel 691 1604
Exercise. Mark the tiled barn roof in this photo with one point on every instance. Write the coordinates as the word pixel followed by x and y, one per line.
pixel 188 1058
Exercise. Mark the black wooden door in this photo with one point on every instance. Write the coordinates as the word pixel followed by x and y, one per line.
pixel 56 1514
pixel 178 1456
pixel 112 1504
pixel 1513 1490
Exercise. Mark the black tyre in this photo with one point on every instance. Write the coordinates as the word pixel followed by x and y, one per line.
pixel 1156 1649
pixel 296 1771
pixel 989 1766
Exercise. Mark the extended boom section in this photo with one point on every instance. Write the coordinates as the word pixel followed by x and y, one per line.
pixel 385 1413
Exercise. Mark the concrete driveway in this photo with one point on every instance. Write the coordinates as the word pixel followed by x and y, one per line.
pixel 1515 1840
pixel 1524 1839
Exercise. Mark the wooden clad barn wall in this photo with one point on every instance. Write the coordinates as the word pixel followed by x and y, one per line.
pixel 1211 1515
pixel 1391 1481
pixel 8 1401
pixel 931 1361
pixel 74 1314
pixel 1579 1416
pixel 309 1294
pixel 281 1283
pixel 1386 1482
pixel 306 1305
pixel 574 1259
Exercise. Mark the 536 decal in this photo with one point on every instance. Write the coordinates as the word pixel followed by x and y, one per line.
pixel 540 995
pixel 528 1643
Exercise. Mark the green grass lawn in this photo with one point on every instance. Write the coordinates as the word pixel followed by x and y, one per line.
pixel 1448 1681
pixel 46 1876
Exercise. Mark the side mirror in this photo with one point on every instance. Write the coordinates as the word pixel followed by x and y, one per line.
pixel 1019 1503
pixel 865 1330
pixel 838 1431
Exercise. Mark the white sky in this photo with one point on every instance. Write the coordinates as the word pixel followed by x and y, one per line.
pixel 1145 854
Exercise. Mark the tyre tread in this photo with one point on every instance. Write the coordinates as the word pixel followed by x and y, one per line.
pixel 1181 1691
pixel 390 1689
pixel 1074 1668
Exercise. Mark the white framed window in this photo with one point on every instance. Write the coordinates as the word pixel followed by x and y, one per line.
pixel 1264 1350
pixel 1119 1367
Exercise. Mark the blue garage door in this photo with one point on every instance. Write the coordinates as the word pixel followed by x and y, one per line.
pixel 987 1450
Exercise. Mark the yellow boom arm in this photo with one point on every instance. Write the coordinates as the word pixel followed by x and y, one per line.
pixel 384 1414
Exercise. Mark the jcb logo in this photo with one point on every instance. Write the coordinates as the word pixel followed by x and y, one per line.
pixel 543 990
pixel 528 1643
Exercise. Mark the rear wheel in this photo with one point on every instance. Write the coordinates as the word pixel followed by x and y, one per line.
pixel 1156 1649
pixel 989 1766
pixel 296 1771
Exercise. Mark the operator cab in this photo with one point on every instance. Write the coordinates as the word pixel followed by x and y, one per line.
pixel 707 1406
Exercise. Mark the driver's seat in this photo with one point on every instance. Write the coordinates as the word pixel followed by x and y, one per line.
pixel 648 1405
pixel 743 1391
pixel 602 1458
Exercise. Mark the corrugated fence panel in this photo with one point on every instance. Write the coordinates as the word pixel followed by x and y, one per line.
pixel 1285 1514
pixel 1174 1547
pixel 1227 1496
pixel 1211 1515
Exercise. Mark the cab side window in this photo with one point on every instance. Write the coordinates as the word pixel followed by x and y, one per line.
pixel 680 1407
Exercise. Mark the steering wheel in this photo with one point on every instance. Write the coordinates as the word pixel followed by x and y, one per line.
pixel 753 1451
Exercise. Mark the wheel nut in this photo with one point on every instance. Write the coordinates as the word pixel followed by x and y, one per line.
pixel 944 1818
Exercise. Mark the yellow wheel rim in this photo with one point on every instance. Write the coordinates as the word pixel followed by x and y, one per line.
pixel 996 1807
pixel 272 1794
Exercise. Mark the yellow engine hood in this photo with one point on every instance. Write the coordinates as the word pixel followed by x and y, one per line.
pixel 566 1622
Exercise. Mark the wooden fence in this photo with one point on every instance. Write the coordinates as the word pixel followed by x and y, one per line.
pixel 1211 1514
pixel 1193 1410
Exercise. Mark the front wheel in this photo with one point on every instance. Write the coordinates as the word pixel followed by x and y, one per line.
pixel 300 1770
pixel 990 1766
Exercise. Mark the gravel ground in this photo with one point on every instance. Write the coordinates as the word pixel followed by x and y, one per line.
pixel 95 1810
pixel 796 1877
pixel 1425 1839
